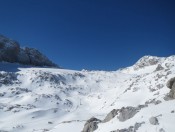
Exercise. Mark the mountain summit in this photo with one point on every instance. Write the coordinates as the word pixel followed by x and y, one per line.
pixel 10 51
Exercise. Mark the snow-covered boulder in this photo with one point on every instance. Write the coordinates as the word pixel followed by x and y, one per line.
pixel 153 121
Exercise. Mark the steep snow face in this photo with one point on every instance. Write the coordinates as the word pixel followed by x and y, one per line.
pixel 58 100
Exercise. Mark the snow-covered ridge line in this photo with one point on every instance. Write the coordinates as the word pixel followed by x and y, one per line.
pixel 151 62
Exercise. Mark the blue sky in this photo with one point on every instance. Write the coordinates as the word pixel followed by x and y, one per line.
pixel 92 34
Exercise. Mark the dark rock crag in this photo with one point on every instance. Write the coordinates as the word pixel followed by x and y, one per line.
pixel 10 51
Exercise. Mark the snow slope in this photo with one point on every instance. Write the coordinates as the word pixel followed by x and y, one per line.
pixel 36 99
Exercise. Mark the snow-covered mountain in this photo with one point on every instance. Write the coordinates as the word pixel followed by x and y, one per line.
pixel 133 99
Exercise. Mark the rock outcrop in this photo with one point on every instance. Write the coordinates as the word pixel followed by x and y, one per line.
pixel 127 113
pixel 146 61
pixel 10 51
pixel 111 115
pixel 124 113
pixel 171 85
pixel 91 125
pixel 159 67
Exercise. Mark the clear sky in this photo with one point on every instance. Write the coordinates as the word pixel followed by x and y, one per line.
pixel 92 34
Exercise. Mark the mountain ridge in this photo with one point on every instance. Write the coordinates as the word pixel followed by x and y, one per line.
pixel 10 51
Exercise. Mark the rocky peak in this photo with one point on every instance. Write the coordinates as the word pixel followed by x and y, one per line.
pixel 146 61
pixel 10 51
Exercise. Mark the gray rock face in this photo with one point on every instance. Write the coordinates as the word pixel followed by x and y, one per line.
pixel 154 121
pixel 10 51
pixel 91 125
pixel 23 57
pixel 37 58
pixel 111 115
pixel 171 85
pixel 146 61
pixel 127 113
pixel 124 113
pixel 159 67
